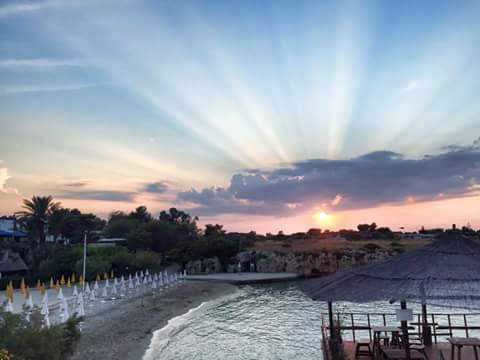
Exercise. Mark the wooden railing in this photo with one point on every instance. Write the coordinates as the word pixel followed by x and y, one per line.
pixel 325 346
pixel 448 325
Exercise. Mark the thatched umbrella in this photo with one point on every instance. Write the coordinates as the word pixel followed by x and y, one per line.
pixel 447 271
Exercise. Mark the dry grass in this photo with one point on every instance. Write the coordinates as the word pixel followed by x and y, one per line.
pixel 332 244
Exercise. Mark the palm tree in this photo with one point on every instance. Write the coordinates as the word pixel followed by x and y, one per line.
pixel 37 213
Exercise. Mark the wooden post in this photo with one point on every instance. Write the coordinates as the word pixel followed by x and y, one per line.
pixel 333 341
pixel 330 320
pixel 426 331
pixel 404 325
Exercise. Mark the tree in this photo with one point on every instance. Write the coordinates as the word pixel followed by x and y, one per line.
pixel 37 213
pixel 363 227
pixel 214 230
pixel 314 233
pixel 139 239
pixel 175 216
pixel 141 214
pixel 121 227
pixel 71 224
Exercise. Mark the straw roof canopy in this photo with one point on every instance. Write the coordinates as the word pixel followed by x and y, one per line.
pixel 11 262
pixel 447 271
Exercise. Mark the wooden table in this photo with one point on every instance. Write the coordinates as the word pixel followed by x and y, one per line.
pixel 400 354
pixel 459 342
pixel 377 330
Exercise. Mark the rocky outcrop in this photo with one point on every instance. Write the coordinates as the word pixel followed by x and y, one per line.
pixel 304 264
pixel 205 266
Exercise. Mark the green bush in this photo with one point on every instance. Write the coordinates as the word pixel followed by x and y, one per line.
pixel 146 260
pixel 30 341
pixel 95 265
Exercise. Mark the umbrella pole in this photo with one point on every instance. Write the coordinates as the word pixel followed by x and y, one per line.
pixel 404 326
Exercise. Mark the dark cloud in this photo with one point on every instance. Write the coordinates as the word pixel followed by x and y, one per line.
pixel 364 181
pixel 100 195
pixel 77 184
pixel 159 187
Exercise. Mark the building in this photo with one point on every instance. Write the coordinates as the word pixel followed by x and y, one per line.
pixel 109 242
pixel 9 229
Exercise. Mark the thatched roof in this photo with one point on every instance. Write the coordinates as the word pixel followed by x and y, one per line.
pixel 445 271
pixel 11 262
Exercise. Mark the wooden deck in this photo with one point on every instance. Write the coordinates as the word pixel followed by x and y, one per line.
pixel 433 352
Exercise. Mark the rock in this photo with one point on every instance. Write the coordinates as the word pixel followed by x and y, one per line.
pixel 208 266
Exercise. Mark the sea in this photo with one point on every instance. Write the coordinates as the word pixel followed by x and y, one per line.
pixel 271 322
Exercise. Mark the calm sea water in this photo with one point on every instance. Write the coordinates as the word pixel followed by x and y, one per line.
pixel 259 322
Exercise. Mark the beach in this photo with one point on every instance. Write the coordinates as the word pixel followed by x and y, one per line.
pixel 123 329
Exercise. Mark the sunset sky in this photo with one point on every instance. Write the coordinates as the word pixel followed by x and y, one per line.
pixel 260 115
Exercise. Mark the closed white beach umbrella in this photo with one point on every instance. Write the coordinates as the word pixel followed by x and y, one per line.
pixel 92 296
pixel 115 282
pixel 64 310
pixel 104 291
pixel 141 274
pixel 60 294
pixel 87 289
pixel 75 290
pixel 184 273
pixel 155 277
pixel 107 283
pixel 147 272
pixel 130 283
pixel 160 280
pixel 80 306
pixel 44 309
pixel 9 306
pixel 29 302
pixel 114 290
pixel 154 285
pixel 46 320
pixel 95 286
pixel 123 288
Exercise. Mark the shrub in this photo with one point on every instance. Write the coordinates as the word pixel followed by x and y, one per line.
pixel 146 260
pixel 30 341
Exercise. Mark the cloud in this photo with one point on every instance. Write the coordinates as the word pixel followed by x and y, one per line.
pixel 336 200
pixel 78 184
pixel 18 8
pixel 99 195
pixel 365 181
pixel 159 187
pixel 412 85
pixel 3 178
pixel 41 64
pixel 12 90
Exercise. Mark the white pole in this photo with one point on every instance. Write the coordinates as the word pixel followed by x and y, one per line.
pixel 84 257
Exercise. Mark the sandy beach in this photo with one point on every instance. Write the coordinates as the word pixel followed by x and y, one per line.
pixel 123 330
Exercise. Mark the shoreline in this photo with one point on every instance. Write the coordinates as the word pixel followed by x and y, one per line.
pixel 124 330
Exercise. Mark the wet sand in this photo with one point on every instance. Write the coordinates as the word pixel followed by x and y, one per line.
pixel 123 329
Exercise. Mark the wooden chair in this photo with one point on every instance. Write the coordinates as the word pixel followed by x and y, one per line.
pixel 363 347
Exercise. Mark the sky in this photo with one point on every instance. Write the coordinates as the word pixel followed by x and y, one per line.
pixel 259 115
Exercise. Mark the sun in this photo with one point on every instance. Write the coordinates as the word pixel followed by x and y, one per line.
pixel 322 217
